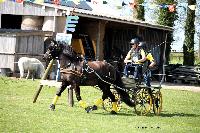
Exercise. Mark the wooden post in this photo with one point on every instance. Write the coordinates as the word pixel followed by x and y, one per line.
pixel 199 46
pixel 43 78
pixel 0 20
pixel 70 97
pixel 98 42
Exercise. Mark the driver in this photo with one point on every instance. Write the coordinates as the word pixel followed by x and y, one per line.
pixel 134 57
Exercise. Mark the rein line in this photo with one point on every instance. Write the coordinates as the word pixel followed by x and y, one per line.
pixel 93 71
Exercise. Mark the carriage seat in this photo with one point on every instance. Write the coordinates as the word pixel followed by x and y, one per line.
pixel 130 71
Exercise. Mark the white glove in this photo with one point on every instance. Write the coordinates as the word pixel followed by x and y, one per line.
pixel 135 59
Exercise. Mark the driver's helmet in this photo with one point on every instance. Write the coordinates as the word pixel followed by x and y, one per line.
pixel 134 41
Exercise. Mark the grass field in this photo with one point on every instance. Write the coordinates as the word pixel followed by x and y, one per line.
pixel 177 58
pixel 181 112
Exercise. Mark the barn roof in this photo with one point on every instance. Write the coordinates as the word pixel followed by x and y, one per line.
pixel 84 9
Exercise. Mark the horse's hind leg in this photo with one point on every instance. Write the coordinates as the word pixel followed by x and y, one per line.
pixel 106 93
pixel 33 74
pixel 114 102
pixel 58 94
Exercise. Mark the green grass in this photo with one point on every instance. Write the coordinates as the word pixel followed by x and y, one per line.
pixel 181 112
pixel 177 58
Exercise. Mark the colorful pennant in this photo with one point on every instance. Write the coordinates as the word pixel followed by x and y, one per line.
pixel 133 4
pixel 19 1
pixel 76 1
pixel 192 7
pixel 171 8
pixel 39 1
pixel 1 1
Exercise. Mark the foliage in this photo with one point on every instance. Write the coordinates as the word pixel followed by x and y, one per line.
pixel 167 18
pixel 188 46
pixel 140 10
pixel 18 114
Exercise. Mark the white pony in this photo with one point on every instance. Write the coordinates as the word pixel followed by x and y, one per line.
pixel 31 65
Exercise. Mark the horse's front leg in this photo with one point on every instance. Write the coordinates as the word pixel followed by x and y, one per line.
pixel 28 74
pixel 21 70
pixel 82 103
pixel 58 94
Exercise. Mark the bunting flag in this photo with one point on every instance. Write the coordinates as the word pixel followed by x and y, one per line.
pixel 192 7
pixel 133 4
pixel 97 1
pixel 19 1
pixel 39 1
pixel 57 2
pixel 76 1
pixel 170 7
pixel 123 3
pixel 117 3
pixel 1 1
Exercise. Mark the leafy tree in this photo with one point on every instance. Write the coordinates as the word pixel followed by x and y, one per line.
pixel 188 45
pixel 140 10
pixel 167 18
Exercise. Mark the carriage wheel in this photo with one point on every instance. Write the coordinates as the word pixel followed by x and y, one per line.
pixel 143 102
pixel 107 103
pixel 157 103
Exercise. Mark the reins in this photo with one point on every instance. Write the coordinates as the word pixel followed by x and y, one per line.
pixel 90 70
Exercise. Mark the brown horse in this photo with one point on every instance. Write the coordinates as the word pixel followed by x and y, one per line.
pixel 75 72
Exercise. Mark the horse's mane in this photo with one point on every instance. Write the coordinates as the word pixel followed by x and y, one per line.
pixel 70 53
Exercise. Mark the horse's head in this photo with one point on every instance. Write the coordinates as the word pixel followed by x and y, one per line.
pixel 54 50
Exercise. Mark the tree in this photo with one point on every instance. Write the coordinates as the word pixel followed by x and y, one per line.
pixel 140 10
pixel 167 18
pixel 188 45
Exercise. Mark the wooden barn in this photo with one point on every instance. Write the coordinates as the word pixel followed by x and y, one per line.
pixel 108 34
pixel 17 43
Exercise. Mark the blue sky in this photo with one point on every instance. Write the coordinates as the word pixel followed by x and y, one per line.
pixel 179 27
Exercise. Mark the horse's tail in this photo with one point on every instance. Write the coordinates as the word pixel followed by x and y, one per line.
pixel 123 94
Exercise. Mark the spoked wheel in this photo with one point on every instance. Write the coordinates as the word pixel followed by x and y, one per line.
pixel 107 103
pixel 143 102
pixel 157 103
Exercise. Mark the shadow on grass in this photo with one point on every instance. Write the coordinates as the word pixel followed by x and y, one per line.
pixel 118 114
pixel 151 114
pixel 178 114
pixel 130 112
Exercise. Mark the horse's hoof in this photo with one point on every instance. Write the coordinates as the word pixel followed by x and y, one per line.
pixel 52 107
pixel 88 109
pixel 113 112
pixel 94 107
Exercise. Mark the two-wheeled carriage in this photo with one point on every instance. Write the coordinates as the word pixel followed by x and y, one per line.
pixel 145 98
pixel 103 74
